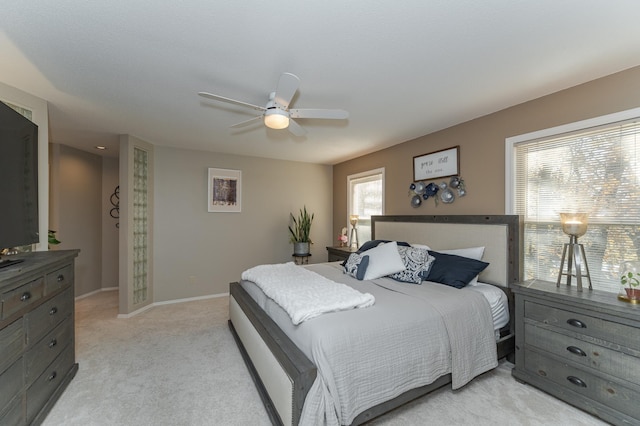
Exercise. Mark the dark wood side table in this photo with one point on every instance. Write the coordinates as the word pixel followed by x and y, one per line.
pixel 338 254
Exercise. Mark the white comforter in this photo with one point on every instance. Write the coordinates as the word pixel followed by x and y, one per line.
pixel 411 336
pixel 304 294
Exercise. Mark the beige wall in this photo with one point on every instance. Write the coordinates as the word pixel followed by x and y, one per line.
pixel 199 253
pixel 110 180
pixel 77 207
pixel 482 147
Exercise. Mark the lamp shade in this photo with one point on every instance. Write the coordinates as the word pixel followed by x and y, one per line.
pixel 276 119
pixel 353 219
pixel 574 224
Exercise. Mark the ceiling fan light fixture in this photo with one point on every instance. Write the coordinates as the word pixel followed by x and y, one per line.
pixel 276 119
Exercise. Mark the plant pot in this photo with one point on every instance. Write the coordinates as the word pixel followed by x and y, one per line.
pixel 633 293
pixel 630 280
pixel 301 248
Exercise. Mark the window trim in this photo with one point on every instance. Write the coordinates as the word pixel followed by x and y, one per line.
pixel 509 157
pixel 380 171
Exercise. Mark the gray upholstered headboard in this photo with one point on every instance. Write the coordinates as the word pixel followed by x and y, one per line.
pixel 499 235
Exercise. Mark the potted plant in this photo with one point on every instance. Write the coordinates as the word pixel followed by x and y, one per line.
pixel 630 281
pixel 300 232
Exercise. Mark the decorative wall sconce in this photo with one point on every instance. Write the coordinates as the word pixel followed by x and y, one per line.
pixel 353 238
pixel 574 225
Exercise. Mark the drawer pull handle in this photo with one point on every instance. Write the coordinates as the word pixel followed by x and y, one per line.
pixel 53 311
pixel 576 381
pixel 52 376
pixel 60 278
pixel 52 343
pixel 576 323
pixel 25 296
pixel 576 351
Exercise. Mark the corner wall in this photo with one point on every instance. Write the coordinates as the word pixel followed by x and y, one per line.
pixel 482 147
pixel 76 204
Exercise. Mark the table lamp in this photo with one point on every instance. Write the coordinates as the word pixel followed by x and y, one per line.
pixel 353 237
pixel 574 225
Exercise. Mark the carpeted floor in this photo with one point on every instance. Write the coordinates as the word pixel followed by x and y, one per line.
pixel 178 365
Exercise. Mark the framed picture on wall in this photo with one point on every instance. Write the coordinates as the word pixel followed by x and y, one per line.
pixel 225 191
pixel 438 164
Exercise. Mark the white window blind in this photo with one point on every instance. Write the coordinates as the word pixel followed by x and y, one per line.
pixel 366 199
pixel 593 170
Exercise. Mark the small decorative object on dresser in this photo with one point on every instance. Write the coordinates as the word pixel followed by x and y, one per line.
pixel 581 347
pixel 37 344
pixel 338 254
pixel 630 282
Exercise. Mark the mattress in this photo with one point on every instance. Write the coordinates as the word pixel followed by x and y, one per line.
pixel 497 301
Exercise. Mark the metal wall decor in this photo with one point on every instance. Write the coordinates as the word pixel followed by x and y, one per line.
pixel 443 192
pixel 115 202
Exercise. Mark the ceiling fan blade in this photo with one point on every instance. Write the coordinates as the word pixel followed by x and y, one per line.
pixel 318 113
pixel 287 87
pixel 231 101
pixel 296 129
pixel 247 122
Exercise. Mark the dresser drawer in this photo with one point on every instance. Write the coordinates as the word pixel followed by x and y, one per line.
pixel 21 297
pixel 587 354
pixel 11 342
pixel 48 382
pixel 611 394
pixel 13 414
pixel 42 319
pixel 59 278
pixel 596 330
pixel 11 383
pixel 44 351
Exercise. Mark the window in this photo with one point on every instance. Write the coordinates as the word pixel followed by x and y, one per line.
pixel 591 166
pixel 365 192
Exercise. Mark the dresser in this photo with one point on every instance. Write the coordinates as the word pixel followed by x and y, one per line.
pixel 581 347
pixel 338 254
pixel 37 345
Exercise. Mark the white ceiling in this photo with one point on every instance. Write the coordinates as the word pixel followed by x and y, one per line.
pixel 402 68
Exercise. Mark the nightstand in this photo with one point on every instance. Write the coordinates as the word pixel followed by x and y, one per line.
pixel 338 254
pixel 581 347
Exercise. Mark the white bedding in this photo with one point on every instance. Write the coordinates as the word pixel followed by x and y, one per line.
pixel 413 335
pixel 304 294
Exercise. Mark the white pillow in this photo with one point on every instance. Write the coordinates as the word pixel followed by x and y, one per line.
pixel 472 253
pixel 383 260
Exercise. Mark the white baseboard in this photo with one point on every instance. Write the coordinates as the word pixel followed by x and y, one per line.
pixel 100 290
pixel 170 302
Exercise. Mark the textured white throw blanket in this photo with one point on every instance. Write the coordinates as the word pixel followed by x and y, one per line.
pixel 304 294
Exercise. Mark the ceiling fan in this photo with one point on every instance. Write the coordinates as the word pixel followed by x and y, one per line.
pixel 276 113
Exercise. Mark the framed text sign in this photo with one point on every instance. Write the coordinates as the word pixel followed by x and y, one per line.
pixel 437 164
pixel 224 190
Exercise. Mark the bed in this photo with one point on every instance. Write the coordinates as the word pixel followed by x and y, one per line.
pixel 279 359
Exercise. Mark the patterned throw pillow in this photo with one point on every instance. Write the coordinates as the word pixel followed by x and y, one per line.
pixel 417 262
pixel 356 265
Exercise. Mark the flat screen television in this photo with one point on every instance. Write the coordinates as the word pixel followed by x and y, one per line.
pixel 18 181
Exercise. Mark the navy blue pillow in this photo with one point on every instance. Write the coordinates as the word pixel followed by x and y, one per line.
pixel 454 271
pixel 374 243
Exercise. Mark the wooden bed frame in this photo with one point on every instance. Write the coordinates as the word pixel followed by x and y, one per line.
pixel 283 374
